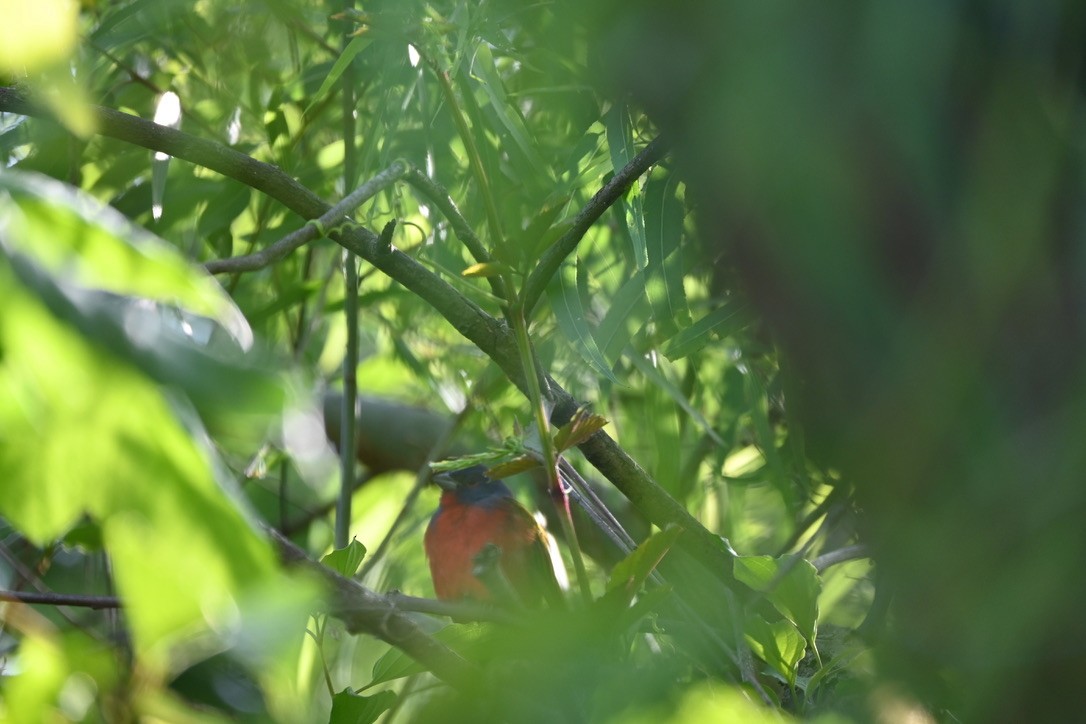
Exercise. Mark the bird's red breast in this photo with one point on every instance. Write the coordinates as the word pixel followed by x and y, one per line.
pixel 479 511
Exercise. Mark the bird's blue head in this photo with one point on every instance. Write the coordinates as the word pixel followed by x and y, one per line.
pixel 471 486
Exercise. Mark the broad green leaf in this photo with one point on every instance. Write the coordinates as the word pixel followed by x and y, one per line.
pixel 778 644
pixel 349 53
pixel 183 555
pixel 346 561
pixel 566 304
pixel 38 35
pixel 351 708
pixel 722 321
pixel 789 583
pixel 160 341
pixel 68 231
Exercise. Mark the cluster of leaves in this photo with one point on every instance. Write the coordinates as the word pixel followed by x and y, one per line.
pixel 119 354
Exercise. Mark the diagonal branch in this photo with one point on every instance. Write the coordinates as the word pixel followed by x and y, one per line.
pixel 593 210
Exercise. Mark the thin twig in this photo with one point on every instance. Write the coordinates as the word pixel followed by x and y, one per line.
pixel 841 555
pixel 270 254
pixel 440 198
pixel 348 420
pixel 459 611
pixel 611 192
pixel 61 599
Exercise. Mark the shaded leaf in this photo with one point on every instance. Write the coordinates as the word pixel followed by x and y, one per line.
pixel 566 304
pixel 349 53
pixel 351 708
pixel 621 145
pixel 654 375
pixel 629 308
pixel 159 341
pixel 487 74
pixel 663 234
pixel 722 321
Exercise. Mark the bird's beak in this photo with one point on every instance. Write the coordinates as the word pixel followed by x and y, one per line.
pixel 445 481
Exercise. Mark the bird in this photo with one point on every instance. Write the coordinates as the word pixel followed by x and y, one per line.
pixel 475 516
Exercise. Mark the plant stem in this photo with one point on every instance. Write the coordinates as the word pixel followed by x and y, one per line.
pixel 350 306
pixel 550 457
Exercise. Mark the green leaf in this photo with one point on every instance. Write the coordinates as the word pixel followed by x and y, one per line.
pixel 628 311
pixel 533 238
pixel 519 464
pixel 663 234
pixel 778 644
pixel 722 321
pixel 346 561
pixel 657 378
pixel 351 708
pixel 86 434
pixel 487 74
pixel 159 341
pixel 789 583
pixel 632 571
pixel 349 53
pixel 566 304
pixel 621 145
pixel 65 230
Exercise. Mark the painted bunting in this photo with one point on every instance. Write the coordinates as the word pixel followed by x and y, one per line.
pixel 475 512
